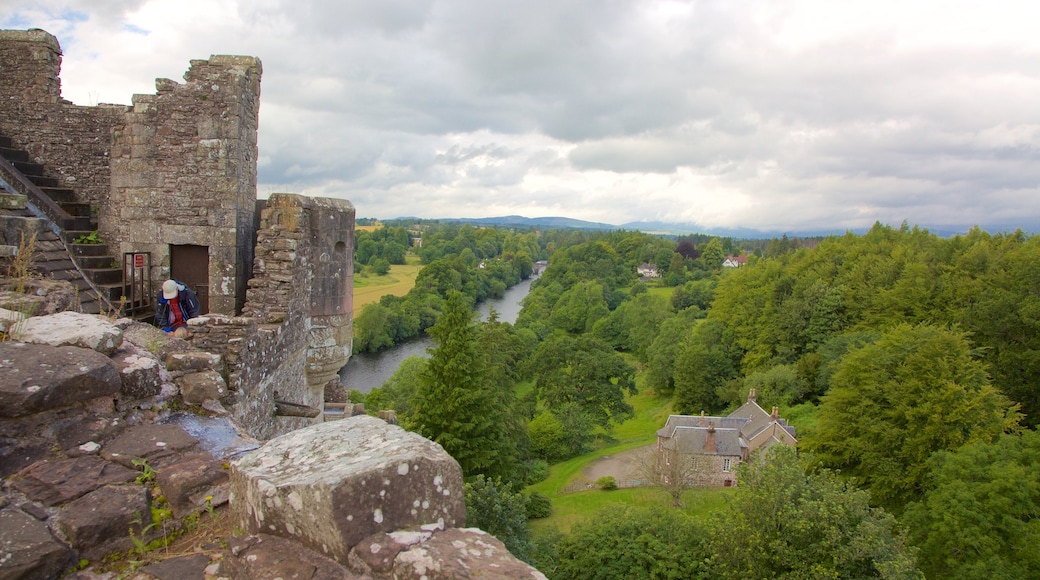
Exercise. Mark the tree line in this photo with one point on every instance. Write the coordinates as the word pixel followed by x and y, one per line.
pixel 912 359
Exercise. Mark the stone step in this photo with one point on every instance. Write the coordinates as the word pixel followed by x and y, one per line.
pixel 85 249
pixel 13 155
pixel 104 275
pixel 97 262
pixel 59 194
pixel 76 208
pixel 42 181
pixel 28 169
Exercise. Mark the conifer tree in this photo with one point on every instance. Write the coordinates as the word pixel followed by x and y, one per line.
pixel 454 405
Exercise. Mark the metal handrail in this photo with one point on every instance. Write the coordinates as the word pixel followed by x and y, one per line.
pixel 18 181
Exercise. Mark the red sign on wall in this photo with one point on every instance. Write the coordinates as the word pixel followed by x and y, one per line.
pixel 138 260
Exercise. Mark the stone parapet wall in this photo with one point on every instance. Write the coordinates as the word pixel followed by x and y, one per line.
pixel 295 331
pixel 72 141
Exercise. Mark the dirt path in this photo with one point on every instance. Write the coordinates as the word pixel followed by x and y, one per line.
pixel 623 466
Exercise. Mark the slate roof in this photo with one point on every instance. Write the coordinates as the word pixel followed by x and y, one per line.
pixel 750 426
pixel 692 440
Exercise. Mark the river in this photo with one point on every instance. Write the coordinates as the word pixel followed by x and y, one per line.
pixel 365 371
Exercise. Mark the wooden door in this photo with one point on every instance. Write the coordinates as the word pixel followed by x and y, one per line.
pixel 190 264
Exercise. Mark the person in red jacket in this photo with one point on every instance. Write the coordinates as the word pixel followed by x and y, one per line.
pixel 177 304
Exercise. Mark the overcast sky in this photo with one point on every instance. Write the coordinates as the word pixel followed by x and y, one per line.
pixel 777 115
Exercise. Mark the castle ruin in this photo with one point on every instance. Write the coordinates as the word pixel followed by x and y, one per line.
pixel 168 183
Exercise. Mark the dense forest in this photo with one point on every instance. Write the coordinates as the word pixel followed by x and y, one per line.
pixel 908 362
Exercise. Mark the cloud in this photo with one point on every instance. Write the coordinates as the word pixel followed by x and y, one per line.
pixel 773 114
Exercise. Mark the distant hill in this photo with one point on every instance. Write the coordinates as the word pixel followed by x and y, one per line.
pixel 676 229
pixel 542 222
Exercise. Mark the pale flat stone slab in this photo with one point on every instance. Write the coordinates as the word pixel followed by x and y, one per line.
pixel 72 329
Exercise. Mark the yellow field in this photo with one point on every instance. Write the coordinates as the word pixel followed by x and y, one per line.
pixel 370 288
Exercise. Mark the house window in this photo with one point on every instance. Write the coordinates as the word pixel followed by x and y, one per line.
pixel 726 464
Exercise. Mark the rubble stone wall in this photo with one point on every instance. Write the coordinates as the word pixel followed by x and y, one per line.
pixel 74 142
pixel 295 331
pixel 184 172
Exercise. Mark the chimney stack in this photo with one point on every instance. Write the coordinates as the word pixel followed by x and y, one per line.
pixel 751 395
pixel 776 413
pixel 710 446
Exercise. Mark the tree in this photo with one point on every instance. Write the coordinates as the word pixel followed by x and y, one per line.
pixel 372 329
pixel 626 542
pixel 707 359
pixel 494 507
pixel 584 371
pixel 662 352
pixel 782 522
pixel 979 517
pixel 547 437
pixel 712 254
pixel 380 266
pixel 398 392
pixel 454 405
pixel 779 385
pixel 674 472
pixel 894 402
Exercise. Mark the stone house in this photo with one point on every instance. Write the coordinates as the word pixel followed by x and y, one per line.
pixel 168 184
pixel 718 445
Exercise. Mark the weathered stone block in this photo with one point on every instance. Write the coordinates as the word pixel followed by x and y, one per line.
pixel 140 374
pixel 186 484
pixel 58 482
pixel 159 445
pixel 104 514
pixel 12 200
pixel 36 378
pixel 331 485
pixel 197 388
pixel 27 548
pixel 269 557
pixel 193 361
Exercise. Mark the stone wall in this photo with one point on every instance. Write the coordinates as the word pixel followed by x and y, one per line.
pixel 184 172
pixel 295 331
pixel 73 141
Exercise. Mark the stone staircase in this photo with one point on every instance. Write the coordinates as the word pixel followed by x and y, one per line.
pixel 91 267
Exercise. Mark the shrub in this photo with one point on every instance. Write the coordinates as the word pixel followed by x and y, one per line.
pixel 607 483
pixel 538 506
pixel 537 471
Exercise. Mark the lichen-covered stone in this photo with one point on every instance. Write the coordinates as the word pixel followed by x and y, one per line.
pixel 331 485
pixel 193 361
pixel 197 388
pixel 461 554
pixel 36 378
pixel 139 374
pixel 71 329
